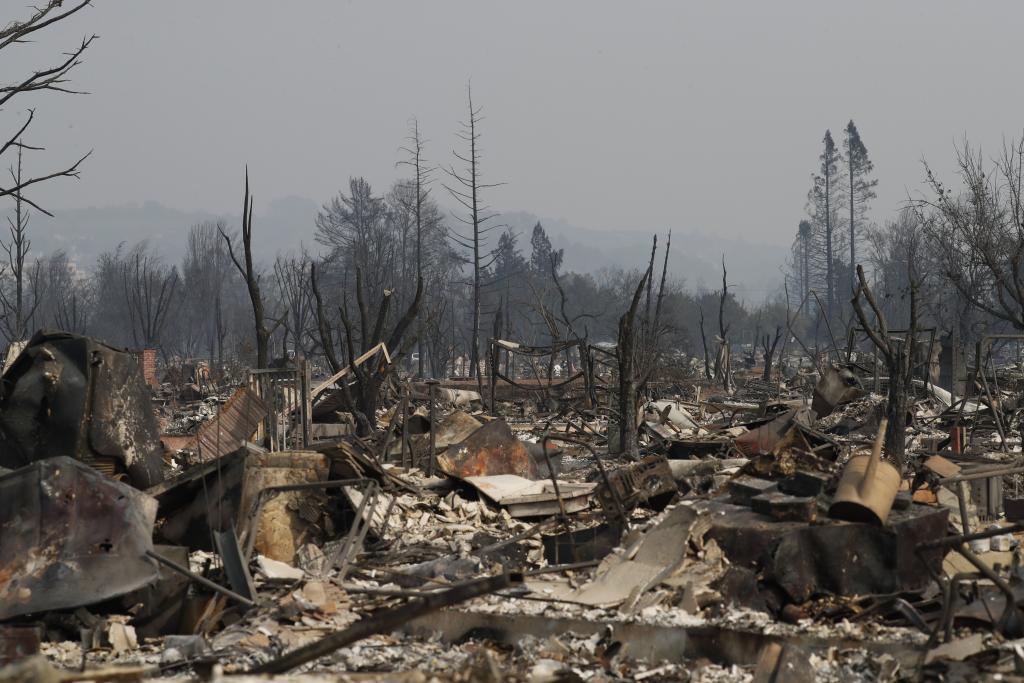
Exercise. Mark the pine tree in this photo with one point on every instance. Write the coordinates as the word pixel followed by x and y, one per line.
pixel 824 198
pixel 542 254
pixel 508 261
pixel 861 188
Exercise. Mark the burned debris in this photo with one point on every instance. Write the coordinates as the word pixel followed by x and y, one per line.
pixel 758 533
pixel 414 452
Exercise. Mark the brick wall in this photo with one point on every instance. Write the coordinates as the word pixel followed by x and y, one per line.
pixel 147 359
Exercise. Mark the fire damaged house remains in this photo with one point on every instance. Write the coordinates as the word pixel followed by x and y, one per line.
pixel 763 534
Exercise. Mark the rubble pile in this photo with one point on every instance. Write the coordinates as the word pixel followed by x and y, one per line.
pixel 764 533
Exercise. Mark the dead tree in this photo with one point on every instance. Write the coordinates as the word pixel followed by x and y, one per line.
pixel 68 299
pixel 493 356
pixel 204 271
pixel 723 359
pixel 768 346
pixel 704 341
pixel 421 185
pixel 361 396
pixel 149 288
pixel 290 273
pixel 586 361
pixel 47 79
pixel 465 189
pixel 252 279
pixel 638 352
pixel 16 312
pixel 898 355
pixel 979 231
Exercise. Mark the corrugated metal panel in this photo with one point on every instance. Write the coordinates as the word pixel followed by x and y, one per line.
pixel 237 421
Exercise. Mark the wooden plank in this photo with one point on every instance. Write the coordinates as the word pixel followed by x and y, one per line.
pixel 326 384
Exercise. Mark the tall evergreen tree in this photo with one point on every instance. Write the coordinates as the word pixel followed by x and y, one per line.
pixel 861 188
pixel 824 206
pixel 542 254
pixel 508 261
pixel 802 260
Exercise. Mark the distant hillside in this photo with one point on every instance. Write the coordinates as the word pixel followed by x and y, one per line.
pixel 696 258
pixel 289 222
pixel 86 233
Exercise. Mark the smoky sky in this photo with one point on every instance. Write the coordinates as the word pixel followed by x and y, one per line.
pixel 634 116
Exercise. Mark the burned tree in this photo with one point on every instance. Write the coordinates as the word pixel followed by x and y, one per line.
pixel 204 271
pixel 978 233
pixel 768 345
pixel 47 79
pixel 861 188
pixel 16 311
pixel 252 278
pixel 638 351
pixel 294 297
pixel 149 289
pixel 357 229
pixel 723 359
pixel 898 355
pixel 466 188
pixel 824 206
pixel 361 396
pixel 570 321
pixel 66 300
pixel 420 208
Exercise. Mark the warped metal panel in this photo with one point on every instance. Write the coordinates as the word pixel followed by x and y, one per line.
pixel 70 536
pixel 237 422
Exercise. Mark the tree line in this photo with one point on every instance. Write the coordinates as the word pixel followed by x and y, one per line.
pixel 435 283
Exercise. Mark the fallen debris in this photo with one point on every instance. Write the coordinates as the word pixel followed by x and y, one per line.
pixel 70 536
pixel 754 538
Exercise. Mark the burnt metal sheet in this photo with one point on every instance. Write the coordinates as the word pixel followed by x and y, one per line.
pixel 791 428
pixel 204 499
pixel 235 566
pixel 70 395
pixel 70 536
pixel 649 480
pixel 235 422
pixel 455 428
pixel 583 545
pixel 835 388
pixel 775 434
pixel 491 449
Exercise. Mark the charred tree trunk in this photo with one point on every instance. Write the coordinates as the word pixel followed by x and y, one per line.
pixel 769 353
pixel 362 395
pixel 898 356
pixel 252 279
pixel 898 405
pixel 707 355
pixel 628 389
pixel 723 363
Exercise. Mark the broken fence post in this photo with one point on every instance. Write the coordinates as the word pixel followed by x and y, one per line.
pixel 404 404
pixel 432 455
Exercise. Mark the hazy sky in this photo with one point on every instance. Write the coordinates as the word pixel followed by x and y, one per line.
pixel 637 116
